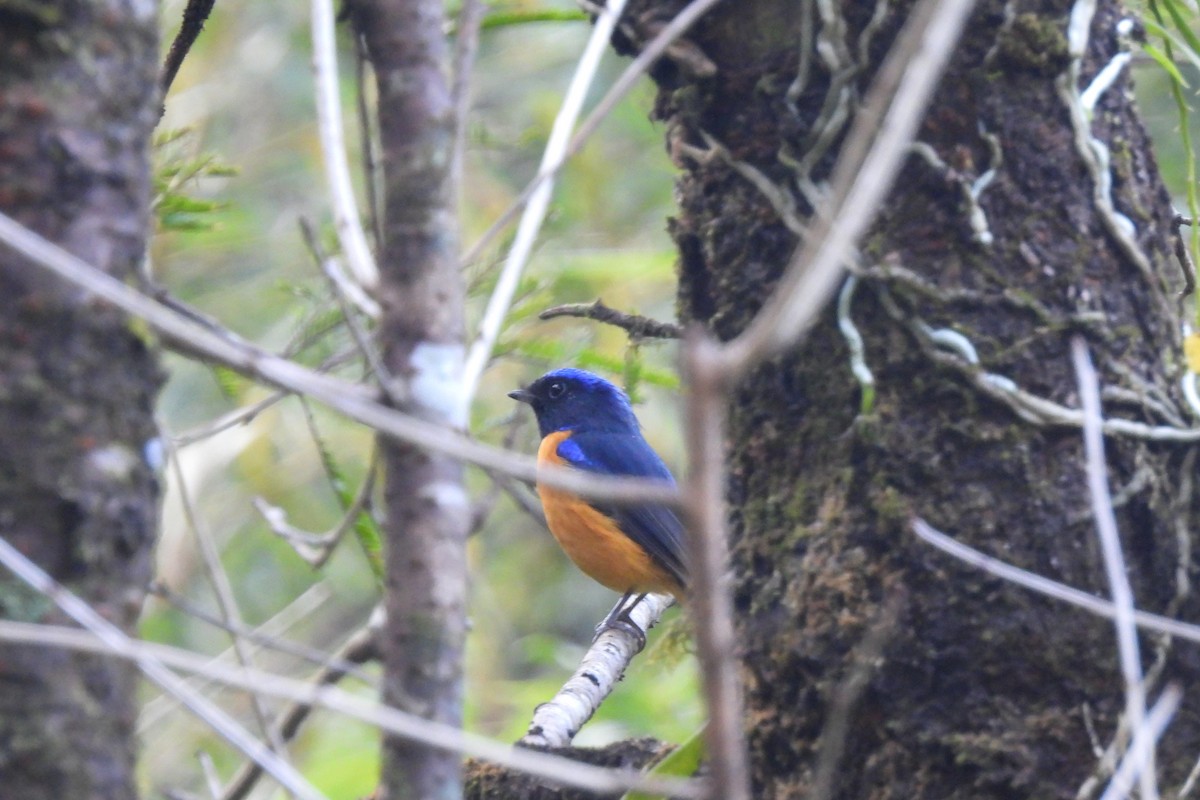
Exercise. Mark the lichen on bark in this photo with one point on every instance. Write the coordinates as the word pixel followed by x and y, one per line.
pixel 77 384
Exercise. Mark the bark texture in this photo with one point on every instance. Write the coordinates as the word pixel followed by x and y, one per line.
pixel 976 689
pixel 77 383
pixel 982 690
pixel 422 296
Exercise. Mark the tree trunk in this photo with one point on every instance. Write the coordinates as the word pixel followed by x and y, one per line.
pixel 981 689
pixel 422 295
pixel 77 383
pixel 976 689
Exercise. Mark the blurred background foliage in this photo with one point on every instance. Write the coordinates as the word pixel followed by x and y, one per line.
pixel 239 165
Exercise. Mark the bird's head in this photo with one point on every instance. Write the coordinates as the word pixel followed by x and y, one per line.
pixel 573 399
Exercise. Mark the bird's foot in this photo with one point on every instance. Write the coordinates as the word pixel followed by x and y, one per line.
pixel 623 623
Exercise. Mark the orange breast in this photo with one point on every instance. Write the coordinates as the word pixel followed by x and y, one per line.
pixel 592 539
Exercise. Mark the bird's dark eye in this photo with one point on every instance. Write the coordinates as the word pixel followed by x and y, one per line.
pixel 556 390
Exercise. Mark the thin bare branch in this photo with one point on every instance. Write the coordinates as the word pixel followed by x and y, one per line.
pixel 1110 548
pixel 466 45
pixel 1054 589
pixel 333 147
pixel 316 548
pixel 872 155
pixel 670 33
pixel 156 709
pixel 709 595
pixel 1140 757
pixel 110 638
pixel 553 768
pixel 261 638
pixel 195 14
pixel 348 399
pixel 863 662
pixel 637 326
pixel 223 591
pixel 358 649
pixel 539 202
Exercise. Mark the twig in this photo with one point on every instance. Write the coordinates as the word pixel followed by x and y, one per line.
pixel 1184 255
pixel 110 638
pixel 466 44
pixel 156 709
pixel 316 548
pixel 673 30
pixel 535 212
pixel 1110 547
pixel 556 722
pixel 346 292
pixel 870 158
pixel 265 640
pixel 223 591
pixel 1140 758
pixel 1054 589
pixel 333 147
pixel 348 399
pixel 212 781
pixel 637 326
pixel 863 662
pixel 560 770
pixel 195 14
pixel 358 649
pixel 709 596
pixel 368 127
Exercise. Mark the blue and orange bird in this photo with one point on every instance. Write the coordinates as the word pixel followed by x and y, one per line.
pixel 586 423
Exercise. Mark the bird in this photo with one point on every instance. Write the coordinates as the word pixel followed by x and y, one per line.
pixel 587 423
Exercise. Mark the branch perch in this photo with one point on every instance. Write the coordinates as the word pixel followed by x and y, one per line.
pixel 637 326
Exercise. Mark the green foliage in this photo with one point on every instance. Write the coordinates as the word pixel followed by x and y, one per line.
pixel 364 526
pixel 1178 34
pixel 682 762
pixel 175 174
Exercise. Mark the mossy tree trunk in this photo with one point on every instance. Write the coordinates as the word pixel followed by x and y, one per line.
pixel 996 232
pixel 982 690
pixel 78 101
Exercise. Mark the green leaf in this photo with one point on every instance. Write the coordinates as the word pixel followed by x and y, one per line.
pixel 1182 27
pixel 682 762
pixel 365 529
pixel 506 18
pixel 230 383
pixel 1167 65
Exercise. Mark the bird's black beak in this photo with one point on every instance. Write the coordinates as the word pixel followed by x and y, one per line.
pixel 521 396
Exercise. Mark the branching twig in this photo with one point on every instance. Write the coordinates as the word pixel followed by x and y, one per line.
pixel 674 29
pixel 863 662
pixel 1140 758
pixel 535 212
pixel 709 596
pixel 259 638
pixel 333 148
pixel 1054 589
pixel 358 649
pixel 195 14
pixel 1110 547
pixel 350 400
pixel 872 154
pixel 111 639
pixel 637 326
pixel 466 44
pixel 223 591
pixel 553 768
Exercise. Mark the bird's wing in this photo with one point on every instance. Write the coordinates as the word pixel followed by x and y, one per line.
pixel 654 527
